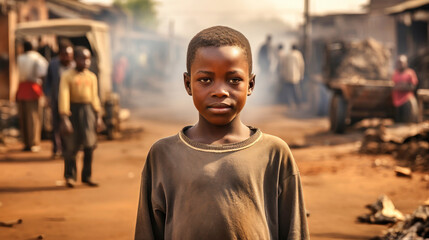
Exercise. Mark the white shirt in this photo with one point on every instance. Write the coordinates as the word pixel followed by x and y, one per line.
pixel 31 66
pixel 291 66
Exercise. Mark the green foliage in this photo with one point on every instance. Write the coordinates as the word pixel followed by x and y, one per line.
pixel 142 11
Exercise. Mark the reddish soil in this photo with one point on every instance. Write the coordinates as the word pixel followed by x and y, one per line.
pixel 338 181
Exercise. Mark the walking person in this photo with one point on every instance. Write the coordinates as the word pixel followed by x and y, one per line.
pixel 57 67
pixel 405 83
pixel 79 108
pixel 290 70
pixel 32 69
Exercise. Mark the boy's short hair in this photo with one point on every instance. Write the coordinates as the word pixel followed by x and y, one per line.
pixel 218 36
pixel 78 51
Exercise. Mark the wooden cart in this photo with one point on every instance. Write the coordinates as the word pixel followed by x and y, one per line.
pixel 357 99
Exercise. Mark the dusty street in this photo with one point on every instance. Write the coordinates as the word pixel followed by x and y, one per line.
pixel 338 181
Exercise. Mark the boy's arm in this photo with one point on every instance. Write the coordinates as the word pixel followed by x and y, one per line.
pixel 150 221
pixel 96 103
pixel 292 213
pixel 64 105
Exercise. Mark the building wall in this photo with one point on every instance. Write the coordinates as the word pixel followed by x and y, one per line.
pixel 8 77
pixel 33 10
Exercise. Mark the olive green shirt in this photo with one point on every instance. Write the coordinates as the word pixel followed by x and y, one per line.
pixel 245 190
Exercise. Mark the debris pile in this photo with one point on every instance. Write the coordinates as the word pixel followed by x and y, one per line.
pixel 408 143
pixel 366 59
pixel 415 227
pixel 382 212
pixel 8 120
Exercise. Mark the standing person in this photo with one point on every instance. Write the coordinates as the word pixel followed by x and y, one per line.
pixel 265 57
pixel 79 107
pixel 405 82
pixel 220 179
pixel 32 69
pixel 291 72
pixel 57 67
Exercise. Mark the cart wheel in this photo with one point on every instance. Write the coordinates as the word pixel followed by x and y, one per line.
pixel 337 113
pixel 111 118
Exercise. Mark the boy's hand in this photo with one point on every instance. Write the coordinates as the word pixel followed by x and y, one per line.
pixel 100 125
pixel 66 127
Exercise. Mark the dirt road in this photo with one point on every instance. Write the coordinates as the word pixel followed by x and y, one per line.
pixel 338 181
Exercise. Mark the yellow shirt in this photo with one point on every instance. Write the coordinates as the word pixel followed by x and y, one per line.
pixel 78 87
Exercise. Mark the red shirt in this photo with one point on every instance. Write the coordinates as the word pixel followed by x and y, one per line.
pixel 28 91
pixel 407 76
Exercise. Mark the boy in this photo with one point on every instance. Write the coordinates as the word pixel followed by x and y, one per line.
pixel 79 107
pixel 220 179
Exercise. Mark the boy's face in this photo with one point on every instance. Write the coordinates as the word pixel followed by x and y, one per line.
pixel 83 60
pixel 219 83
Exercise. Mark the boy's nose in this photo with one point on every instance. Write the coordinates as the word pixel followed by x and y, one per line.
pixel 220 90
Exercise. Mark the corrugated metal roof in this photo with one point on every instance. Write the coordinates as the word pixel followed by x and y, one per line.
pixel 407 6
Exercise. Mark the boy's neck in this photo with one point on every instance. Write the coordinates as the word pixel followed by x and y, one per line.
pixel 205 132
pixel 80 70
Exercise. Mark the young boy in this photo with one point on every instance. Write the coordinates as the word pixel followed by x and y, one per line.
pixel 220 179
pixel 79 107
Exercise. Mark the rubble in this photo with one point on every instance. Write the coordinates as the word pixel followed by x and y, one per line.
pixel 403 172
pixel 9 122
pixel 414 227
pixel 367 59
pixel 10 223
pixel 409 143
pixel 382 212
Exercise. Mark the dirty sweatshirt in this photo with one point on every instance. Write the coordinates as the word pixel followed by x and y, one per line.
pixel 245 190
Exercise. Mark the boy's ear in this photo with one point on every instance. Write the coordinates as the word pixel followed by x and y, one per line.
pixel 252 80
pixel 187 82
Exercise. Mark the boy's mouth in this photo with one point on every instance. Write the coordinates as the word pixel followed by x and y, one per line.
pixel 219 108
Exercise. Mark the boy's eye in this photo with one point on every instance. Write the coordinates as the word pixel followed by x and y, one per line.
pixel 235 80
pixel 204 80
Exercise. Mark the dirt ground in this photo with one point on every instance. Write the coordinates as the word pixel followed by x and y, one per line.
pixel 338 181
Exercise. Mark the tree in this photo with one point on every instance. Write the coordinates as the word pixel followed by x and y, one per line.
pixel 142 11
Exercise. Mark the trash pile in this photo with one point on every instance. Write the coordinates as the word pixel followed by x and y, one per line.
pixel 414 227
pixel 367 59
pixel 8 120
pixel 382 212
pixel 409 143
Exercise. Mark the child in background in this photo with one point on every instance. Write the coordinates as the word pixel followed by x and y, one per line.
pixel 79 107
pixel 220 179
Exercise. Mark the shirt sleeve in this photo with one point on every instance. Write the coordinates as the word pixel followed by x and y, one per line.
pixel 292 213
pixel 42 66
pixel 64 96
pixel 150 220
pixel 47 84
pixel 95 99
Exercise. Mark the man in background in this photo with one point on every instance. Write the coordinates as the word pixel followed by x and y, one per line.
pixel 57 67
pixel 291 72
pixel 404 100
pixel 32 69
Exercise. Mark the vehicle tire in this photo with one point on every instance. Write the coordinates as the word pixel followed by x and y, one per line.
pixel 338 113
pixel 111 117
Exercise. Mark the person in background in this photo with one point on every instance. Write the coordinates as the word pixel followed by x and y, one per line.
pixel 405 83
pixel 57 66
pixel 265 58
pixel 32 68
pixel 290 70
pixel 79 107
